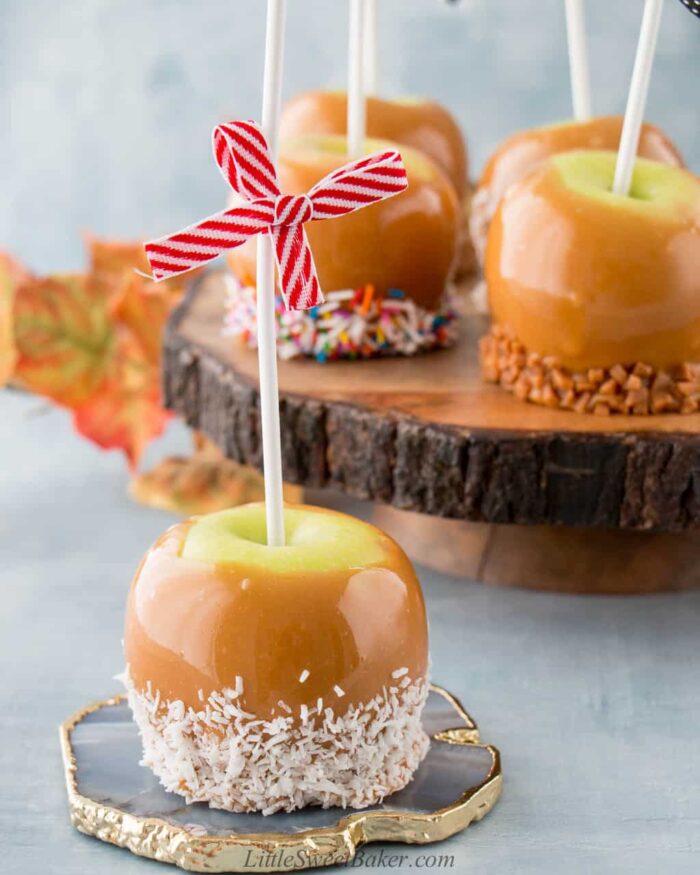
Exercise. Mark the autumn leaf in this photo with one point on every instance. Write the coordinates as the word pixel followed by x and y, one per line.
pixel 111 259
pixel 64 337
pixel 11 274
pixel 143 308
pixel 126 413
pixel 202 483
pixel 141 305
pixel 93 343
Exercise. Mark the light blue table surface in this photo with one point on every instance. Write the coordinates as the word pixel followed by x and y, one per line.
pixel 594 702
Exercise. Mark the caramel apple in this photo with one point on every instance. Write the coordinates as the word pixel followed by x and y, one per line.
pixel 415 122
pixel 421 124
pixel 522 152
pixel 406 243
pixel 596 296
pixel 270 678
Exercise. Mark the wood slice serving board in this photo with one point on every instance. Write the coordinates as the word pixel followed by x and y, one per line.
pixel 425 434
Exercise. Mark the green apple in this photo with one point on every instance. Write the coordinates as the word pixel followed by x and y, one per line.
pixel 316 540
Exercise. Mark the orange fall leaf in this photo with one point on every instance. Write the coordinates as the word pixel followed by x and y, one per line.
pixel 92 342
pixel 64 337
pixel 126 413
pixel 201 483
pixel 12 273
pixel 112 258
pixel 143 308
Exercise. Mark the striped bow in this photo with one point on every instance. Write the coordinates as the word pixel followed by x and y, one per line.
pixel 242 153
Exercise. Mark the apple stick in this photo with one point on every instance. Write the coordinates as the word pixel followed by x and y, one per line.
pixel 637 99
pixel 267 347
pixel 371 46
pixel 357 116
pixel 578 60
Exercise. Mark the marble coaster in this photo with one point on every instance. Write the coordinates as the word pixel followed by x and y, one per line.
pixel 114 799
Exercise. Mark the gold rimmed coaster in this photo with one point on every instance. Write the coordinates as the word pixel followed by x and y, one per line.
pixel 114 799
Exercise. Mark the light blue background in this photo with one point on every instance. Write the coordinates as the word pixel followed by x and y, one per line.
pixel 107 105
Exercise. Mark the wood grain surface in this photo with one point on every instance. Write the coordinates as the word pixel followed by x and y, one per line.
pixel 552 558
pixel 426 434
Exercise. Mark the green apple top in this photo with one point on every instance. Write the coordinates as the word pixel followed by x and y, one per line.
pixel 315 541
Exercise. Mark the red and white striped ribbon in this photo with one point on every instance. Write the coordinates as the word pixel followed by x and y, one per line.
pixel 243 156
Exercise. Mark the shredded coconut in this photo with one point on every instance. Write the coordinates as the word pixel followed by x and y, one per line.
pixel 303 676
pixel 223 755
pixel 400 672
pixel 339 691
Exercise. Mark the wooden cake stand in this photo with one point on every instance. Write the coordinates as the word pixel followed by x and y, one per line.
pixel 495 489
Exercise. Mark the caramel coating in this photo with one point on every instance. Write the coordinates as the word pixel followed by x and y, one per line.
pixel 421 124
pixel 592 283
pixel 522 152
pixel 192 626
pixel 407 242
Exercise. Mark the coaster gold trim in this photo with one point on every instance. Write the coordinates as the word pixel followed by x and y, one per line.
pixel 157 839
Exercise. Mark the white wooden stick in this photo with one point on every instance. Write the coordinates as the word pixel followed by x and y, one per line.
pixel 357 117
pixel 371 46
pixel 637 99
pixel 267 347
pixel 578 60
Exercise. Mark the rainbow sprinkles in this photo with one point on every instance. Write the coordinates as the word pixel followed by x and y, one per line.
pixel 349 324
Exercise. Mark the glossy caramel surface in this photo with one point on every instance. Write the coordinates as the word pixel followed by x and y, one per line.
pixel 522 152
pixel 596 284
pixel 192 626
pixel 420 124
pixel 407 242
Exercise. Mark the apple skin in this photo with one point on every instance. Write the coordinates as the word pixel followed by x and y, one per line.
pixel 407 242
pixel 594 278
pixel 421 124
pixel 350 621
